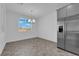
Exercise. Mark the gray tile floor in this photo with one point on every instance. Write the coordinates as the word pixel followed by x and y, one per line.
pixel 33 47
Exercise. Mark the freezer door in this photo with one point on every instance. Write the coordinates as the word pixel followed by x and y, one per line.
pixel 60 37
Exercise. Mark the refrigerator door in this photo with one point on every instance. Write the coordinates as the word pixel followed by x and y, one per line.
pixel 72 36
pixel 60 37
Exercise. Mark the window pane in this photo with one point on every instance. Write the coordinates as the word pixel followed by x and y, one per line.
pixel 24 25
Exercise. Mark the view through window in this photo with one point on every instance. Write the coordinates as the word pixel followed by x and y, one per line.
pixel 24 25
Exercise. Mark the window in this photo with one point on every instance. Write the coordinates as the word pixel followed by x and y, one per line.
pixel 24 25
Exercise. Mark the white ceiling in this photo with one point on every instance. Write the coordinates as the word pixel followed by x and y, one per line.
pixel 38 9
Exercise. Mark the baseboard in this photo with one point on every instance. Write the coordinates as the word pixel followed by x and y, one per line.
pixel 23 39
pixel 47 39
pixel 32 38
pixel 1 50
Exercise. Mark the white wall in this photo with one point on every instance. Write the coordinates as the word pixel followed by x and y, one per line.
pixel 2 24
pixel 47 27
pixel 12 33
pixel 44 27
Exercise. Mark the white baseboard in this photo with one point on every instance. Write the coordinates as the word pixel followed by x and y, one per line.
pixel 21 39
pixel 48 39
pixel 2 48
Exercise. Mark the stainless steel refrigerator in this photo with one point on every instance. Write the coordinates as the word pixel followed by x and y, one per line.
pixel 68 28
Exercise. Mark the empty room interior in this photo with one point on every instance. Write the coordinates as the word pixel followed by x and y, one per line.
pixel 39 29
